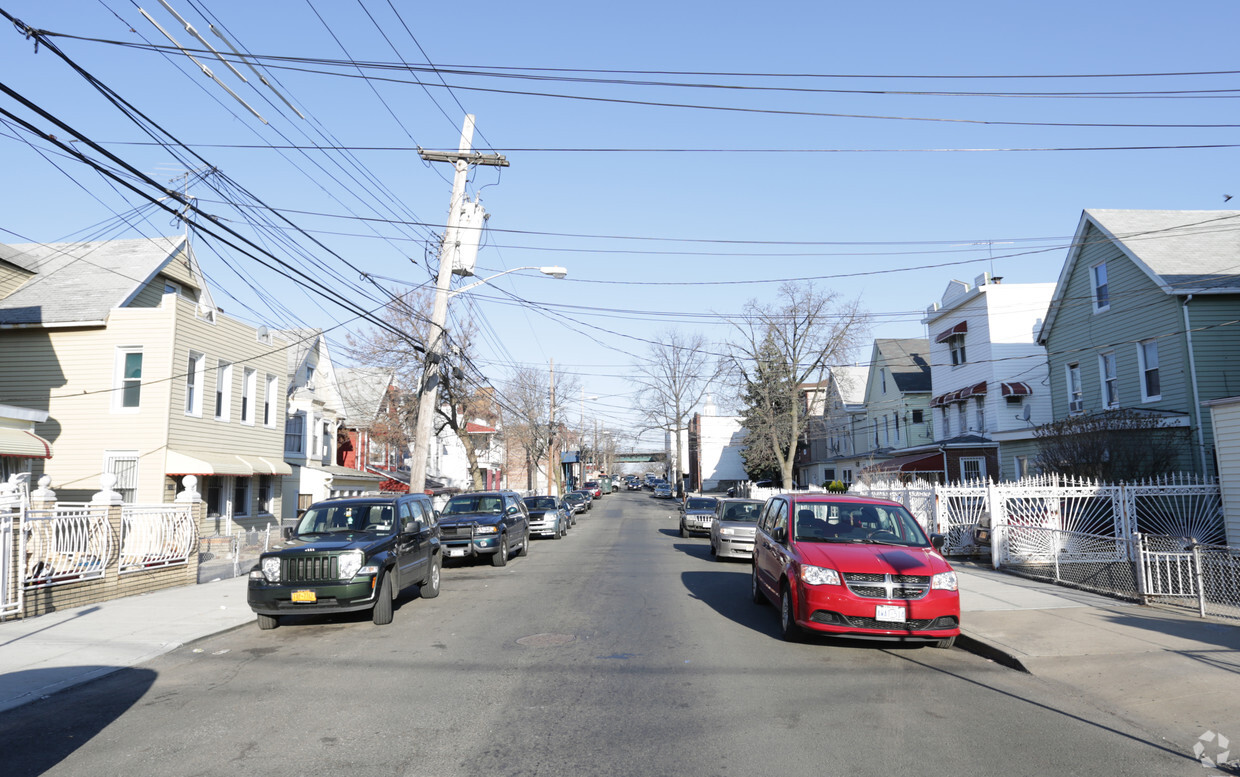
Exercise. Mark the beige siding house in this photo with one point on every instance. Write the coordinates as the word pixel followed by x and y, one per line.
pixel 140 375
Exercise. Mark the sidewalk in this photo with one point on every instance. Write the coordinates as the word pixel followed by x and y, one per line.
pixel 1162 668
pixel 39 656
pixel 1172 673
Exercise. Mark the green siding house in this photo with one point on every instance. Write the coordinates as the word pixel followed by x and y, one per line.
pixel 1146 316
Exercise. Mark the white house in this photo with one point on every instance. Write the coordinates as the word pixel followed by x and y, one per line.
pixel 714 448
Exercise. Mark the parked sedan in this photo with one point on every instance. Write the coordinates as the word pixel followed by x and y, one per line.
pixel 593 487
pixel 853 567
pixel 696 514
pixel 586 498
pixel 548 516
pixel 575 502
pixel 732 528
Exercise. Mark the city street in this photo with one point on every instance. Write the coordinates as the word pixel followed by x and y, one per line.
pixel 621 649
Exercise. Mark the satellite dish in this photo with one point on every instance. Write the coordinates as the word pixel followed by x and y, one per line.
pixel 1025 413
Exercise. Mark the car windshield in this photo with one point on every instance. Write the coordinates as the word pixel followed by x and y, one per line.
pixel 575 496
pixel 700 503
pixel 474 503
pixel 540 502
pixel 860 523
pixel 743 512
pixel 349 517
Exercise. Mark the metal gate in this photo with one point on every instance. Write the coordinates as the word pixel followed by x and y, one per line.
pixel 960 510
pixel 11 551
pixel 1042 524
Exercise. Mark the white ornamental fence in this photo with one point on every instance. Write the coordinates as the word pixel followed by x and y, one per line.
pixel 154 536
pixel 12 503
pixel 1157 540
pixel 67 544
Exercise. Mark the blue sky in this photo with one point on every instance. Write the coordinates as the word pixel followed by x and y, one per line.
pixel 843 196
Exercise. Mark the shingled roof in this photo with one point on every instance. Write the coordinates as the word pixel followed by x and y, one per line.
pixel 906 360
pixel 80 282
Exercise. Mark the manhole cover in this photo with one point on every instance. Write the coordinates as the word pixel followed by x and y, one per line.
pixel 546 640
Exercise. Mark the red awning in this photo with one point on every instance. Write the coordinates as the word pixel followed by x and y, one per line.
pixel 958 329
pixel 959 395
pixel 1016 389
pixel 916 462
pixel 976 390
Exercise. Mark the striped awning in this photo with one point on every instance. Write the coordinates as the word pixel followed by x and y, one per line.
pixel 958 329
pixel 1016 389
pixel 205 463
pixel 263 465
pixel 959 395
pixel 23 444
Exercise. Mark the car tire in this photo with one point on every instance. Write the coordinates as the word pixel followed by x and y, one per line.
pixel 788 628
pixel 430 587
pixel 944 644
pixel 524 548
pixel 558 533
pixel 382 612
pixel 755 590
pixel 500 557
pixel 683 531
pixel 268 622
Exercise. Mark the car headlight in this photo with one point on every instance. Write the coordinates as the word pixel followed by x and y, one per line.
pixel 486 530
pixel 350 562
pixel 819 575
pixel 727 531
pixel 945 581
pixel 271 569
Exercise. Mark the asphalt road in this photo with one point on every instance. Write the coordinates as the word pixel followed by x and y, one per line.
pixel 621 649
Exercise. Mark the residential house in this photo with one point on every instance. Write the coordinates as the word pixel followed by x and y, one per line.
pixel 120 343
pixel 368 398
pixel 1144 318
pixel 831 427
pixel 809 464
pixel 448 463
pixel 895 434
pixel 714 445
pixel 989 376
pixel 316 419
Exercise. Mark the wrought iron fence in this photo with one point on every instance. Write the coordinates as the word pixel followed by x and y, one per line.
pixel 1105 564
pixel 154 536
pixel 70 543
pixel 11 549
pixel 223 556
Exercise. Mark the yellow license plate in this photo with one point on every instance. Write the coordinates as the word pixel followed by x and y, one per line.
pixel 304 596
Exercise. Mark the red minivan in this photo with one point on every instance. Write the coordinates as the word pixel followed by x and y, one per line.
pixel 853 567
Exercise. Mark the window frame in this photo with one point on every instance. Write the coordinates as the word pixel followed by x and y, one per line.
pixel 223 391
pixel 120 383
pixel 269 404
pixel 109 459
pixel 1101 296
pixel 297 420
pixel 955 345
pixel 1076 394
pixel 1145 369
pixel 239 483
pixel 195 383
pixel 981 467
pixel 1108 381
pixel 249 394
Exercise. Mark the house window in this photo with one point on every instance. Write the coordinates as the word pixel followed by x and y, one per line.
pixel 917 417
pixel 882 374
pixel 214 493
pixel 956 344
pixel 947 422
pixel 963 409
pixel 123 464
pixel 875 432
pixel 266 494
pixel 886 431
pixel 326 442
pixel 223 390
pixel 171 287
pixel 1110 385
pixel 1020 464
pixel 128 385
pixel 981 415
pixel 294 433
pixel 1102 294
pixel 194 376
pixel 1076 400
pixel 309 377
pixel 241 496
pixel 269 416
pixel 973 468
pixel 1147 355
pixel 896 422
pixel 249 394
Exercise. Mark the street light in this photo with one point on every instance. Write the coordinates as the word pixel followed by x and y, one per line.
pixel 428 394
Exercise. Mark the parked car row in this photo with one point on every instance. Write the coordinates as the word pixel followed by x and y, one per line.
pixel 836 565
pixel 360 553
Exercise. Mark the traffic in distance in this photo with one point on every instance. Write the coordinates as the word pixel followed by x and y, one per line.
pixel 832 565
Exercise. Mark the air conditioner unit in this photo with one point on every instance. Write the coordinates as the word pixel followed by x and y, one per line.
pixel 1076 406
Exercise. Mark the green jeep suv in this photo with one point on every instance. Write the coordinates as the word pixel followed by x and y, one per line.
pixel 349 554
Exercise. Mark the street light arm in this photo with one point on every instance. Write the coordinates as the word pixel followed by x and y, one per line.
pixel 554 272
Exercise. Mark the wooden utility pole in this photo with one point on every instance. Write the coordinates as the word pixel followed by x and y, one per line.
pixel 553 454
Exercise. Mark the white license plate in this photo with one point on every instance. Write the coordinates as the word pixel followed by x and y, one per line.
pixel 891 613
pixel 456 552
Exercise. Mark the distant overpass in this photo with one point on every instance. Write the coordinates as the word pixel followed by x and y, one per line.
pixel 639 458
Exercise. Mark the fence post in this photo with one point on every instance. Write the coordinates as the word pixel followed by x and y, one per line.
pixel 998 524
pixel 1197 573
pixel 1139 552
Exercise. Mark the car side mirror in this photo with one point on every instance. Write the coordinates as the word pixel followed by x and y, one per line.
pixel 779 534
pixel 413 526
pixel 938 541
pixel 437 515
pixel 289 532
pixel 513 509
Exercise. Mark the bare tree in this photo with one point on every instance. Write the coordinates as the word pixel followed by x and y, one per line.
pixel 528 419
pixel 676 375
pixel 781 346
pixel 1114 445
pixel 461 395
